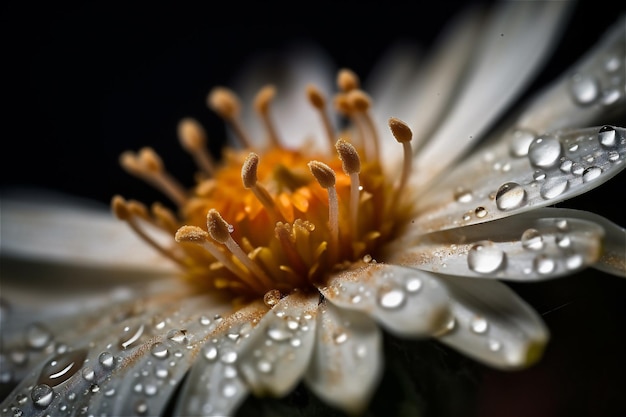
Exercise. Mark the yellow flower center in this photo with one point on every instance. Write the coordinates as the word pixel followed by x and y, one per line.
pixel 263 223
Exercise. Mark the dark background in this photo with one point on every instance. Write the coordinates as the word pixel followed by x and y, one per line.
pixel 84 83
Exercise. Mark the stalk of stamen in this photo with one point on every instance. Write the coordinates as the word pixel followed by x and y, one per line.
pixel 403 134
pixel 220 231
pixel 148 166
pixel 351 165
pixel 319 103
pixel 283 233
pixel 193 139
pixel 122 211
pixel 196 235
pixel 225 103
pixel 325 176
pixel 262 105
pixel 362 103
pixel 249 178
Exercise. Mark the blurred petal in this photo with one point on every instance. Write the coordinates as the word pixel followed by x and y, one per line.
pixel 504 180
pixel 347 360
pixel 493 325
pixel 531 246
pixel 405 301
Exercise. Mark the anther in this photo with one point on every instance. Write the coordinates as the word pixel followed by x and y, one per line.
pixel 319 102
pixel 403 134
pixel 351 164
pixel 249 178
pixel 262 105
pixel 362 103
pixel 220 231
pixel 325 176
pixel 192 137
pixel 225 103
pixel 347 80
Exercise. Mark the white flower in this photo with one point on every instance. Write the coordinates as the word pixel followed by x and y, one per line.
pixel 291 255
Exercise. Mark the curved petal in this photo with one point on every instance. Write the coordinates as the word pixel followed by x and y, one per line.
pixel 506 59
pixel 529 247
pixel 493 325
pixel 347 360
pixel 58 228
pixel 528 173
pixel 273 359
pixel 405 301
pixel 214 386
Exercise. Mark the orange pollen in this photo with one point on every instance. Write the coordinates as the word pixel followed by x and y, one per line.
pixel 269 222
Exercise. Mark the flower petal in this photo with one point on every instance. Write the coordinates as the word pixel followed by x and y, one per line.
pixel 529 172
pixel 405 301
pixel 493 325
pixel 531 246
pixel 48 226
pixel 275 356
pixel 214 386
pixel 505 62
pixel 347 360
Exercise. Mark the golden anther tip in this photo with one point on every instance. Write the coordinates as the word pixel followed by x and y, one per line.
pixel 400 130
pixel 191 134
pixel 137 209
pixel 322 173
pixel 347 80
pixel 120 210
pixel 224 102
pixel 350 161
pixel 342 104
pixel 249 170
pixel 359 100
pixel 263 99
pixel 315 96
pixel 191 234
pixel 150 160
pixel 218 228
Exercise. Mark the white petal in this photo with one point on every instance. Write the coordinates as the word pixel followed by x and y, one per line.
pixel 493 325
pixel 531 246
pixel 58 228
pixel 214 386
pixel 405 301
pixel 505 62
pixel 347 360
pixel 277 353
pixel 522 173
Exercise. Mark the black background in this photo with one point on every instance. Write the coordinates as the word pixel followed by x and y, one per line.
pixel 84 83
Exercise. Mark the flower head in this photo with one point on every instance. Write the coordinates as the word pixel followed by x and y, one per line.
pixel 290 256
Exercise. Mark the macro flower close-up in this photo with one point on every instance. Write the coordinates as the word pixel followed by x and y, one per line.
pixel 325 239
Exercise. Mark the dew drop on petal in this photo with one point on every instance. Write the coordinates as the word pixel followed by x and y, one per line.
pixel 229 357
pixel 539 175
pixel 584 89
pixel 607 136
pixel 521 142
pixel 591 173
pixel 553 188
pixel 485 258
pixel 544 264
pixel 563 241
pixel 42 395
pixel 613 156
pixel 480 212
pixel 413 285
pixel 532 240
pixel 510 196
pixel 264 366
pixel 37 336
pixel 131 336
pixel 479 325
pixel 61 368
pixel 391 298
pixel 88 374
pixel 178 336
pixel 107 360
pixel 566 166
pixel 494 345
pixel 209 352
pixel 340 337
pixel 577 169
pixel 159 351
pixel 461 195
pixel 544 152
pixel 574 261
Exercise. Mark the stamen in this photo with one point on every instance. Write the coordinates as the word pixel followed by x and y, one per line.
pixel 347 80
pixel 285 236
pixel 262 105
pixel 194 234
pixel 361 102
pixel 193 139
pixel 403 134
pixel 326 178
pixel 125 212
pixel 220 231
pixel 225 103
pixel 351 164
pixel 148 166
pixel 319 102
pixel 249 178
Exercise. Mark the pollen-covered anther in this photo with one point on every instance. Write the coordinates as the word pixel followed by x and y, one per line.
pixel 192 234
pixel 403 134
pixel 347 80
pixel 193 139
pixel 318 101
pixel 226 104
pixel 325 176
pixel 249 179
pixel 351 164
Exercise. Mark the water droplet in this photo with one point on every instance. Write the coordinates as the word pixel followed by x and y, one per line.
pixel 210 352
pixel 573 147
pixel 544 264
pixel 131 336
pixel 159 350
pixel 278 334
pixel 264 366
pixel 539 175
pixel 591 173
pixel 413 285
pixel 229 356
pixel 109 392
pixel 574 261
pixel 510 195
pixel 566 166
pixel 610 96
pixel 577 168
pixel 340 337
pixel 607 136
pixel 563 241
pixel 61 368
pixel 229 390
pixel 480 212
pixel 271 298
pixel 462 195
pixel 37 336
pixel 485 258
pixel 42 395
pixel 150 389
pixel 391 298
pixel 204 320
pixel 521 142
pixel 613 156
pixel 612 63
pixel 585 89
pixel 356 299
pixel 532 239
pixel 553 188
pixel 178 336
pixel 479 325
pixel 544 152
pixel 494 345
pixel 107 360
pixel 141 408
